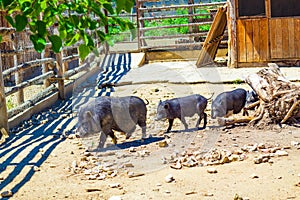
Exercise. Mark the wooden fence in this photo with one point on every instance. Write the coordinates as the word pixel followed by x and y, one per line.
pixel 195 17
pixel 22 67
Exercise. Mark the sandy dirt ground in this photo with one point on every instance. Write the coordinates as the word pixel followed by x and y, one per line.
pixel 46 161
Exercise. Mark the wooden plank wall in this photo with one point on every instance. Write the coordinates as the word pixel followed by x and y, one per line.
pixel 253 40
pixel 285 38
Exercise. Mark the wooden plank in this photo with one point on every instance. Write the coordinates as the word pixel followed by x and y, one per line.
pixel 291 27
pixel 256 40
pixel 249 39
pixel 297 37
pixel 278 38
pixel 285 37
pixel 264 53
pixel 273 46
pixel 241 41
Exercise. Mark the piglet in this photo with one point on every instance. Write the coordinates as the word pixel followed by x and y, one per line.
pixel 181 108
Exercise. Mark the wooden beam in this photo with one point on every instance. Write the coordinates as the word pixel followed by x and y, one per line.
pixel 232 36
pixel 213 39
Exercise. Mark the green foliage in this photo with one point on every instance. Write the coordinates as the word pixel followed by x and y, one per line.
pixel 9 103
pixel 77 20
pixel 238 81
pixel 175 21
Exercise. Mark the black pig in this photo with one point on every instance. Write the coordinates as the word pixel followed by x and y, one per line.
pixel 181 108
pixel 105 114
pixel 228 103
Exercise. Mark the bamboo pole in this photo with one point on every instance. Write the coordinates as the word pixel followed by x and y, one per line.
pixel 3 108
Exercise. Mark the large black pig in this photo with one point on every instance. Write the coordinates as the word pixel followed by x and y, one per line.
pixel 227 103
pixel 181 108
pixel 105 114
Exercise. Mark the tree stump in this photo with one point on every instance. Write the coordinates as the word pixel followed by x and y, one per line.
pixel 279 98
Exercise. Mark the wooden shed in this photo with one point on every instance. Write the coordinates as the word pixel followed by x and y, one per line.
pixel 262 31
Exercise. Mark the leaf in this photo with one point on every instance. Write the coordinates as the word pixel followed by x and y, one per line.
pixel 73 40
pixel 109 8
pixel 41 28
pixel 0 38
pixel 124 5
pixel 10 20
pixel 39 43
pixel 83 51
pixel 7 3
pixel 56 43
pixel 62 33
pixel 21 22
pixel 120 5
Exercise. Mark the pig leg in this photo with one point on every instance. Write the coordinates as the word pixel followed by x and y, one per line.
pixel 102 140
pixel 170 125
pixel 184 123
pixel 142 124
pixel 112 135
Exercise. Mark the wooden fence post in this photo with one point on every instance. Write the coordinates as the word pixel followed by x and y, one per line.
pixel 60 73
pixel 3 108
pixel 45 66
pixel 19 74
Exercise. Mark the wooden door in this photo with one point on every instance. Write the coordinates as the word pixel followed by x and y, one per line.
pixel 252 40
pixel 285 38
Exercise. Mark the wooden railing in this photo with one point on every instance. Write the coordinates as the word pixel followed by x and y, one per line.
pixel 193 39
pixel 55 74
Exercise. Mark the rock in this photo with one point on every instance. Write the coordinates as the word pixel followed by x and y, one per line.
pixel 133 175
pixel 115 198
pixel 92 189
pixel 294 143
pixel 162 143
pixel 36 168
pixel 176 166
pixel 132 149
pixel 212 170
pixel 92 177
pixel 281 153
pixel 114 185
pixel 261 146
pixel 127 165
pixel 191 192
pixel 191 162
pixel 257 160
pixel 169 178
pixel 253 176
pixel 224 160
pixel 52 166
pixel 6 194
pixel 74 164
pixel 208 194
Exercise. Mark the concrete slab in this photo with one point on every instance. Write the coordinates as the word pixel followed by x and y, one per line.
pixel 187 72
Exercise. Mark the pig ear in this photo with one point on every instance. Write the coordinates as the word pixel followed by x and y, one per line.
pixel 166 106
pixel 88 114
